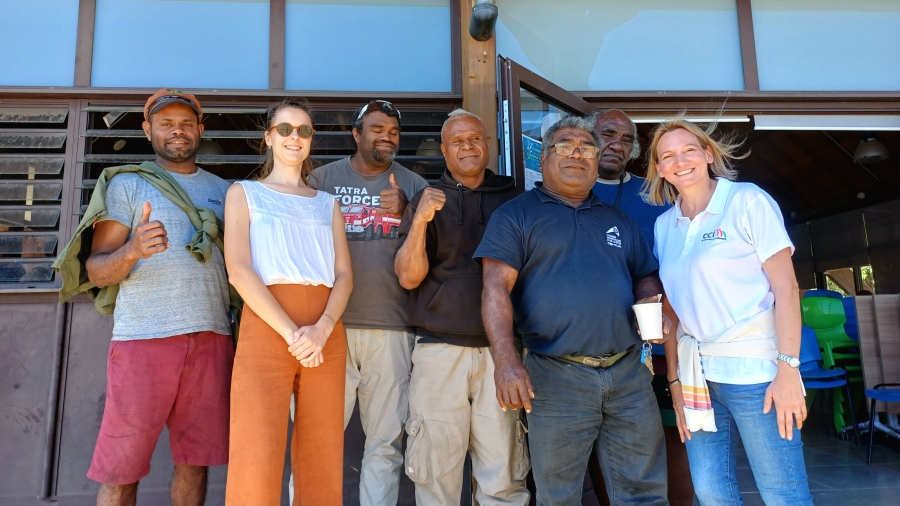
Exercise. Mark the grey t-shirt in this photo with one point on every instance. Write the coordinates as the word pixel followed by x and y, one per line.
pixel 170 293
pixel 378 301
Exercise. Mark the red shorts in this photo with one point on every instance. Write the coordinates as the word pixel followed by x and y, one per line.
pixel 182 382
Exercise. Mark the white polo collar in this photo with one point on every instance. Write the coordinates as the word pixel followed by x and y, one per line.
pixel 716 203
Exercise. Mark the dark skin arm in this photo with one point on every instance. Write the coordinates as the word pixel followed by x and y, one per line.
pixel 514 388
pixel 113 255
pixel 647 287
pixel 411 262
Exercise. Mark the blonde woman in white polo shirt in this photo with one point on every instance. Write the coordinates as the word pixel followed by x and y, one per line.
pixel 725 263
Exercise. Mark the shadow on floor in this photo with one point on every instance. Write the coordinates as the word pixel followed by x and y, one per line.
pixel 837 470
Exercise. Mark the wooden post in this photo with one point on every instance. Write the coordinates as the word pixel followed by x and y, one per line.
pixel 479 78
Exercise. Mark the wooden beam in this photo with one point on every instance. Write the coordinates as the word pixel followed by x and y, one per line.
pixel 277 13
pixel 479 78
pixel 84 42
pixel 748 45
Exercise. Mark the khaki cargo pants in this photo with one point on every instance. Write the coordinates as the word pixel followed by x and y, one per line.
pixel 378 364
pixel 453 410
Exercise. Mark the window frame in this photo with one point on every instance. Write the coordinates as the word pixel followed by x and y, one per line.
pixel 277 11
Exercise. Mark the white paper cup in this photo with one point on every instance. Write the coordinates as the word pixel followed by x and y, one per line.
pixel 649 317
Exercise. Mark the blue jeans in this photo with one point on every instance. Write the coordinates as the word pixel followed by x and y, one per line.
pixel 777 464
pixel 575 405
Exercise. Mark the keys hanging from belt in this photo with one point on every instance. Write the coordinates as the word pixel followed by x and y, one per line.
pixel 647 356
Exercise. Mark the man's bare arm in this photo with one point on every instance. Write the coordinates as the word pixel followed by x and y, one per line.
pixel 514 388
pixel 411 262
pixel 113 255
pixel 648 286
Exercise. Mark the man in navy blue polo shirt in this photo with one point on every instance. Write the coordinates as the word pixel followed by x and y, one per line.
pixel 564 269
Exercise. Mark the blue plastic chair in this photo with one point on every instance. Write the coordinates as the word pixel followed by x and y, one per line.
pixel 823 293
pixel 815 377
pixel 850 327
pixel 879 393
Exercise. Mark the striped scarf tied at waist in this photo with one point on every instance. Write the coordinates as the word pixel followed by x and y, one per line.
pixel 754 337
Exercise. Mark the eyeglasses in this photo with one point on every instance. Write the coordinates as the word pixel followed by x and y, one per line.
pixel 379 105
pixel 286 129
pixel 565 149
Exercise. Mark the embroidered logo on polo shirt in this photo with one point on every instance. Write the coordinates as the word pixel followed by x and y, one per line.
pixel 717 234
pixel 612 237
pixel 214 201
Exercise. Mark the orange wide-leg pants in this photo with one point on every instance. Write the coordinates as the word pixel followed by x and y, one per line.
pixel 264 376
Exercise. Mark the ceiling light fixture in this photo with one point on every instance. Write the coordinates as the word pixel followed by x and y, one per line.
pixel 870 150
pixel 210 148
pixel 429 147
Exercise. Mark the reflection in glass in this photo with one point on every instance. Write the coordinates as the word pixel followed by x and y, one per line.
pixel 24 272
pixel 27 191
pixel 31 165
pixel 586 45
pixel 44 217
pixel 537 116
pixel 27 246
pixel 368 45
pixel 24 139
pixel 37 38
pixel 181 43
pixel 851 45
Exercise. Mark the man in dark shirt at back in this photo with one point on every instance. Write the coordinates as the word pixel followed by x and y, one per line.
pixel 565 269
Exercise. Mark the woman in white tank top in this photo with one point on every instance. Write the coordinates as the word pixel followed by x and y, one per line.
pixel 286 254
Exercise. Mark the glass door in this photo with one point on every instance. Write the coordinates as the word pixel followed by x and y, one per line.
pixel 529 105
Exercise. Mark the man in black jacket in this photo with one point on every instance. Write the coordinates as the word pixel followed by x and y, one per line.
pixel 452 398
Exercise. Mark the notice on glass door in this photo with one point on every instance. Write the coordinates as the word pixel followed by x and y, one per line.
pixel 532 150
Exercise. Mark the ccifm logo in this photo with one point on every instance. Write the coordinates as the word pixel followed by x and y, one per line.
pixel 717 234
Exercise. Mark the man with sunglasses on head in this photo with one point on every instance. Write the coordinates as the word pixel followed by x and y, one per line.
pixel 563 269
pixel 171 354
pixel 373 192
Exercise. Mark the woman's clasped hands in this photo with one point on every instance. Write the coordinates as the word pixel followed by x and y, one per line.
pixel 308 342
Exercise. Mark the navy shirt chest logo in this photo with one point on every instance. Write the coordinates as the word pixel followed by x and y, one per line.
pixel 612 237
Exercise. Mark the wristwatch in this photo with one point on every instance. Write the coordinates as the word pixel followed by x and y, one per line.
pixel 794 362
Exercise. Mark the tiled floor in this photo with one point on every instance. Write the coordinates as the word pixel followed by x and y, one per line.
pixel 837 470
pixel 838 474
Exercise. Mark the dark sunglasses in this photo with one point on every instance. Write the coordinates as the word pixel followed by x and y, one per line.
pixel 286 129
pixel 379 105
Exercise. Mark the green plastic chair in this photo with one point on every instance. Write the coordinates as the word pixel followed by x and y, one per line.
pixel 826 317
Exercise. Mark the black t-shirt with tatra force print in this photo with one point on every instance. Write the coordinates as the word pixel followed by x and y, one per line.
pixel 378 301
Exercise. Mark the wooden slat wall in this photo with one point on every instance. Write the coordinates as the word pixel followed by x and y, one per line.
pixel 878 318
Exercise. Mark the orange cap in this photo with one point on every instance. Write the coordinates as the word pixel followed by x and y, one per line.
pixel 166 96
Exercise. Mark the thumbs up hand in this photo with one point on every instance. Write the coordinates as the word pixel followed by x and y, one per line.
pixel 393 199
pixel 149 237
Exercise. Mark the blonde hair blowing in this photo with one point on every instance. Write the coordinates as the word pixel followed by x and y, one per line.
pixel 662 192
